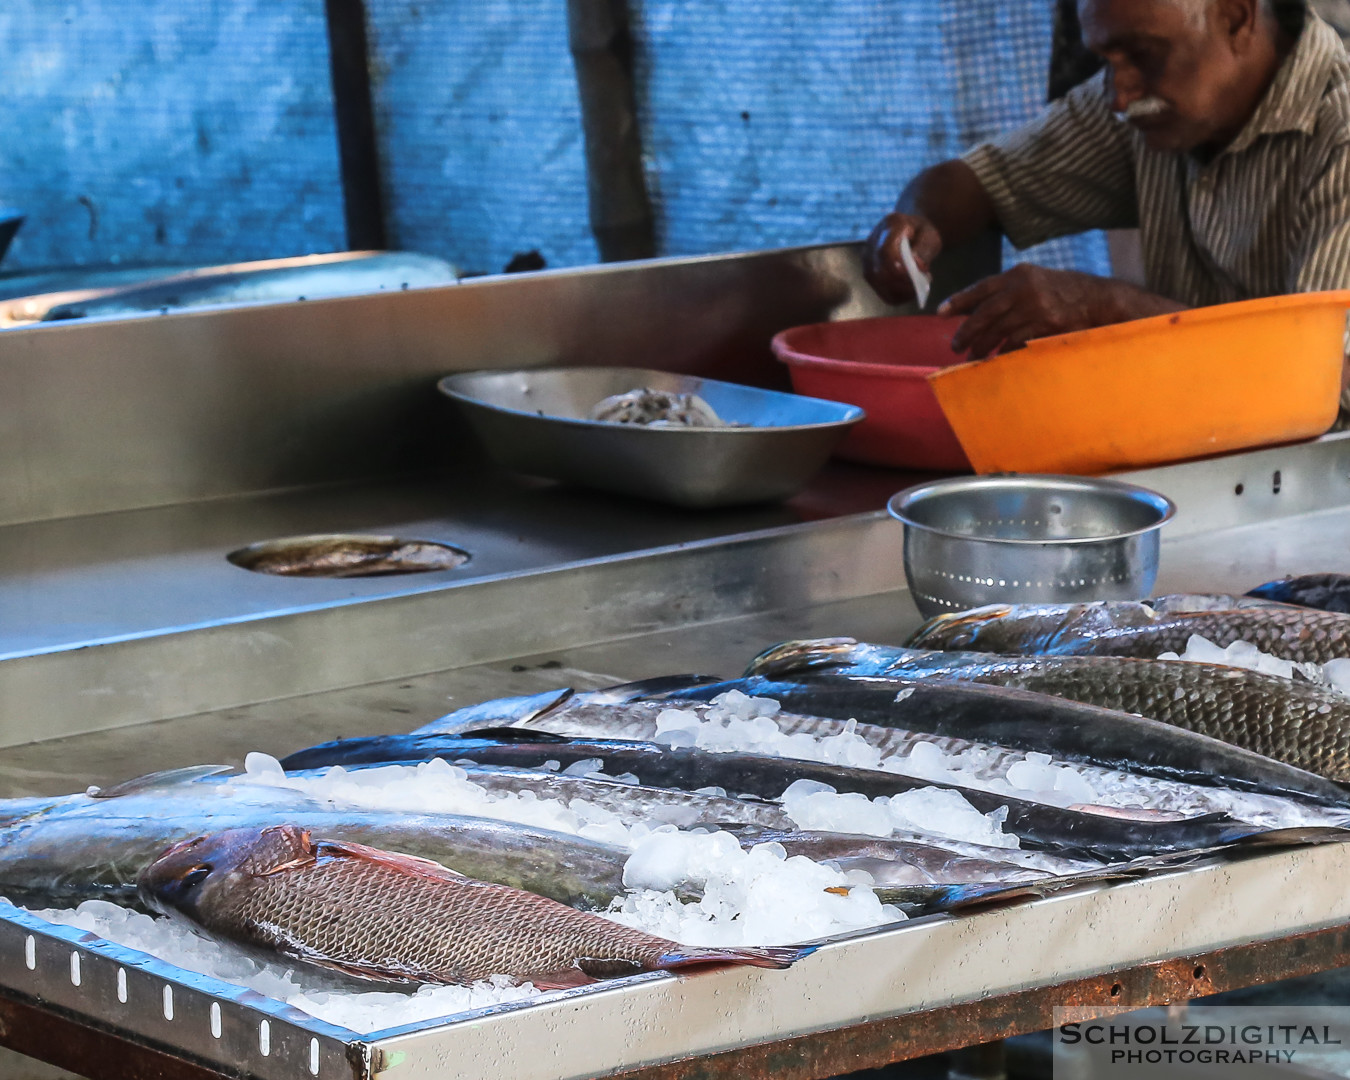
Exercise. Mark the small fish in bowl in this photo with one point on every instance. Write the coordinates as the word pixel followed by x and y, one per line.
pixel 658 408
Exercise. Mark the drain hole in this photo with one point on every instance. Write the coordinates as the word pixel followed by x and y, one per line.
pixel 343 556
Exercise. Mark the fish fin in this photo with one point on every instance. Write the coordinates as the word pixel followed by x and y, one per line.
pixel 567 979
pixel 366 973
pixel 1294 837
pixel 563 697
pixel 770 957
pixel 512 710
pixel 412 865
pixel 304 850
pixel 963 898
pixel 657 686
pixel 512 735
pixel 156 780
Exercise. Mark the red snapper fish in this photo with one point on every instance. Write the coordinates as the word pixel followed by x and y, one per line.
pixel 382 916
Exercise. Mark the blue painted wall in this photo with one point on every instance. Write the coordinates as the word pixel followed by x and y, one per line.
pixel 201 130
pixel 167 130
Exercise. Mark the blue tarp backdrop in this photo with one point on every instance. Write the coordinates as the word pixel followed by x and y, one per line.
pixel 195 131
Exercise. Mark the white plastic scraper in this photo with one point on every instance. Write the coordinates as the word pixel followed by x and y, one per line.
pixel 921 281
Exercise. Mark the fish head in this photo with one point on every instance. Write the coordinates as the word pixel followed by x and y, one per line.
pixel 192 875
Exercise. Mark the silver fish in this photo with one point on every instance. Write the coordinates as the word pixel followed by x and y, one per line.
pixel 1124 628
pixel 1291 720
pixel 65 850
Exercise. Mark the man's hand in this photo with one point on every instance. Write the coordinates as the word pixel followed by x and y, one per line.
pixel 1007 310
pixel 882 264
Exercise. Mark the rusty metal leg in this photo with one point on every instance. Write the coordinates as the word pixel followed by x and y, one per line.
pixel 86 1050
pixel 984 1062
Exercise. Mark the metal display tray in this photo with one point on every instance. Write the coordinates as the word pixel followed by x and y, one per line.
pixel 861 1000
pixel 920 987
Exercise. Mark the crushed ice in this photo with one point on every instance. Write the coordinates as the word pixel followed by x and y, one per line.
pixel 739 723
pixel 1334 674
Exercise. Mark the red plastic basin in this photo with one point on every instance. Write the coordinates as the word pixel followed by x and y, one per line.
pixel 882 365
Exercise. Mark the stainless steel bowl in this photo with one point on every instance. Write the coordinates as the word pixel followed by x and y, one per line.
pixel 537 421
pixel 1028 539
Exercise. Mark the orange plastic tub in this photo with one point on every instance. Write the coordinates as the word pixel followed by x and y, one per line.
pixel 1200 382
pixel 883 366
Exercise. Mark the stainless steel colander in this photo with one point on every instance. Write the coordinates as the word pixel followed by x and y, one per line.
pixel 1028 539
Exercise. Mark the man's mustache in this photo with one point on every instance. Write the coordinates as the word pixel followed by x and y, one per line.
pixel 1143 108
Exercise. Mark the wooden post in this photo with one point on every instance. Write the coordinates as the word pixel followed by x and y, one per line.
pixel 602 52
pixel 358 157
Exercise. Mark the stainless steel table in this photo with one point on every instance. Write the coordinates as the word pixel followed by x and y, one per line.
pixel 706 605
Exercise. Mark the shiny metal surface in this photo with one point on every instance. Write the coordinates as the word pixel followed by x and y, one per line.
pixel 134 636
pixel 538 422
pixel 303 277
pixel 981 540
pixel 115 414
pixel 1258 487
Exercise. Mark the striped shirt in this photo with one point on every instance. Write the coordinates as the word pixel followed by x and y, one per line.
pixel 1270 214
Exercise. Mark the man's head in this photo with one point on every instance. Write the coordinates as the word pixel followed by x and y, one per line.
pixel 1186 73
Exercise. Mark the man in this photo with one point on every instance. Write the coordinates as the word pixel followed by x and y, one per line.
pixel 1220 128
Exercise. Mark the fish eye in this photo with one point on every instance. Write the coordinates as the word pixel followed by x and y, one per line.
pixel 196 876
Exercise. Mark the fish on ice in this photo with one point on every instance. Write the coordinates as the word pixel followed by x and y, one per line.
pixel 1137 628
pixel 383 916
pixel 1295 721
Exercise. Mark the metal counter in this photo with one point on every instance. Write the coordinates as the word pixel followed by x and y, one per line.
pixel 919 987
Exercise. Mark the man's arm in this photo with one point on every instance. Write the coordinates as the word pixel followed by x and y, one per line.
pixel 1321 258
pixel 1069 170
pixel 945 205
pixel 1007 310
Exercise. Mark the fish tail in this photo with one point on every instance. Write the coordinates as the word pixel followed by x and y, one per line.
pixel 655 687
pixel 770 957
